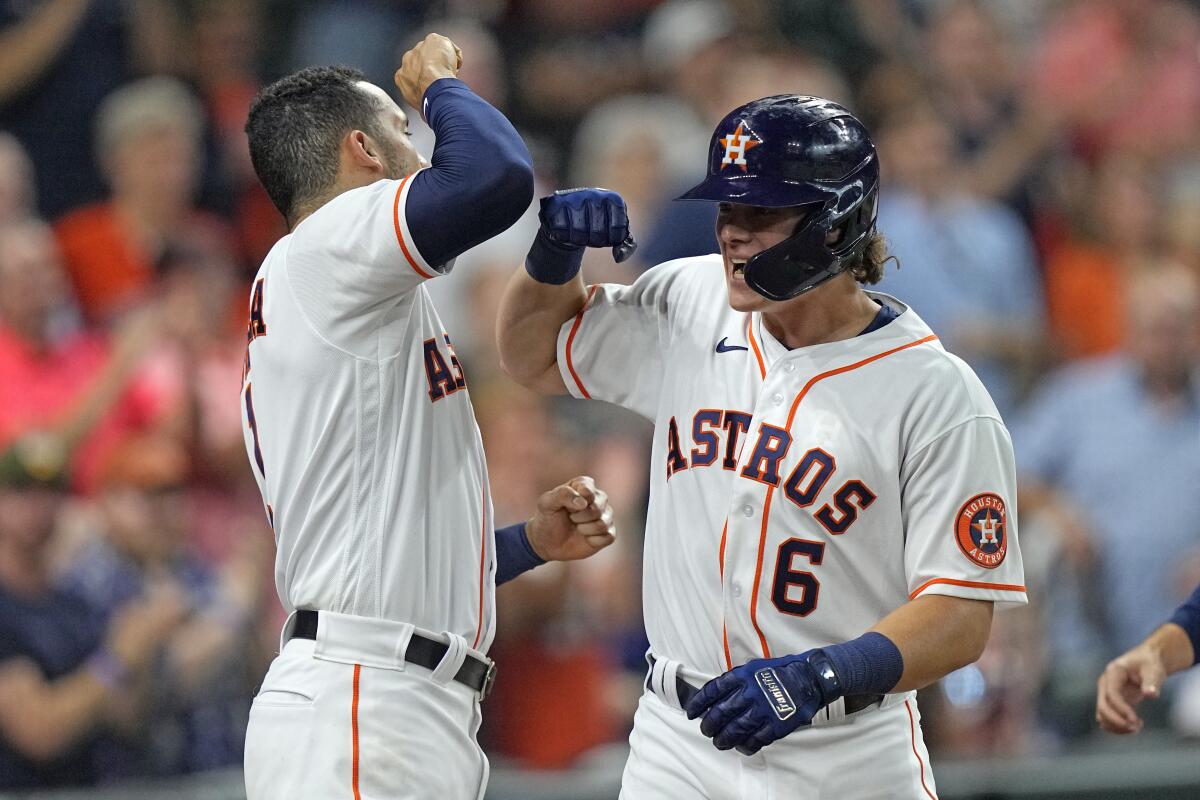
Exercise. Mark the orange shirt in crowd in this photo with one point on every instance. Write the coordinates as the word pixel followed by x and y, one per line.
pixel 1085 300
pixel 108 269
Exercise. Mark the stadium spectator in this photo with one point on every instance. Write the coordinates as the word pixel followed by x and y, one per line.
pixel 1124 72
pixel 1108 455
pixel 977 87
pixel 18 196
pixel 68 680
pixel 966 264
pixel 200 689
pixel 68 400
pixel 148 138
pixel 1090 272
pixel 58 60
pixel 226 40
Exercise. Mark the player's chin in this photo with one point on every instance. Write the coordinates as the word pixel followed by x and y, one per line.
pixel 742 297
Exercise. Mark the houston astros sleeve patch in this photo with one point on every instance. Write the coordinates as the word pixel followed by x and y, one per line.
pixel 980 529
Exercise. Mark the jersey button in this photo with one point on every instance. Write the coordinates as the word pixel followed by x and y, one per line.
pixel 789 367
pixel 737 589
pixel 748 510
pixel 777 399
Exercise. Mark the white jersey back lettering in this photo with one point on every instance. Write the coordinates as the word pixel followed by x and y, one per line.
pixel 359 428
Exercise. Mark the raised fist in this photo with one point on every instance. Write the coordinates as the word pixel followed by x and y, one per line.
pixel 433 58
pixel 588 218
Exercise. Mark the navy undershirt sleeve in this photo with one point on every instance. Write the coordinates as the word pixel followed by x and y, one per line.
pixel 514 554
pixel 480 180
pixel 1187 616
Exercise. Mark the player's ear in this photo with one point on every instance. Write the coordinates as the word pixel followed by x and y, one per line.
pixel 363 151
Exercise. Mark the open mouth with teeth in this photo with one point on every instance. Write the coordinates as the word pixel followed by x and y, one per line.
pixel 739 267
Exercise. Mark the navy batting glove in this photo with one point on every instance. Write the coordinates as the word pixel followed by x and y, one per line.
pixel 573 219
pixel 763 700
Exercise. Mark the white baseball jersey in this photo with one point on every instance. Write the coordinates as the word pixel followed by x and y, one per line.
pixel 797 497
pixel 359 428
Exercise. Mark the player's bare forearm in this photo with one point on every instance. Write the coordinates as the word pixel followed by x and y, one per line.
pixel 527 326
pixel 550 290
pixel 936 635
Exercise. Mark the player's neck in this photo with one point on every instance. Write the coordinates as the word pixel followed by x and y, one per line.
pixel 830 313
pixel 345 181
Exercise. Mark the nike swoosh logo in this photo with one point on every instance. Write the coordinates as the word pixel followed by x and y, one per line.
pixel 726 348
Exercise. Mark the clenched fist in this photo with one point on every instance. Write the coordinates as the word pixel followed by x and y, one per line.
pixel 433 58
pixel 573 521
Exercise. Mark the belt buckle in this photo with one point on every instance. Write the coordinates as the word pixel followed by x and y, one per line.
pixel 489 680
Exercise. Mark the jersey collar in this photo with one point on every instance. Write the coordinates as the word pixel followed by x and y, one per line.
pixel 905 328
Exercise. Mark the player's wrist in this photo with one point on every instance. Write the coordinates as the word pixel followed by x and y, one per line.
pixel 870 664
pixel 824 675
pixel 551 261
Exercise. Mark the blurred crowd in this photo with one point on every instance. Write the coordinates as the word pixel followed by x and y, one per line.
pixel 1041 195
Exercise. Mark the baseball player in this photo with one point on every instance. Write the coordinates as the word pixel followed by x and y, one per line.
pixel 1139 673
pixel 362 438
pixel 831 510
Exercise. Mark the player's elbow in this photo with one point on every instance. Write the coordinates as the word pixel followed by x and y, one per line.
pixel 538 373
pixel 522 369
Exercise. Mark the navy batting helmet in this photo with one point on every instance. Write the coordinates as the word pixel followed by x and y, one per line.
pixel 794 150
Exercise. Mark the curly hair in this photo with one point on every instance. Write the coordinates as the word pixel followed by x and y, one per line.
pixel 874 258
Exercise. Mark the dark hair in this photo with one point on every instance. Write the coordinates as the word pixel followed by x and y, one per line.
pixel 294 128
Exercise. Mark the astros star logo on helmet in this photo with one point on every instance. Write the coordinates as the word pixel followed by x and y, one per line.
pixel 736 144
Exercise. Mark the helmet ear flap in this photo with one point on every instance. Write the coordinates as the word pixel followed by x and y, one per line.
pixel 825 243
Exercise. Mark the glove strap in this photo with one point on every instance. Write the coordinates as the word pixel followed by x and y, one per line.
pixel 552 262
pixel 828 680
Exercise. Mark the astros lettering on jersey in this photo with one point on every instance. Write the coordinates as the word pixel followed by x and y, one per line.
pixel 797 496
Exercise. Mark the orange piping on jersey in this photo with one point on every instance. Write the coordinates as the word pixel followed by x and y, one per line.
pixel 354 735
pixel 762 538
pixel 721 556
pixel 482 561
pixel 721 567
pixel 762 368
pixel 999 587
pixel 571 339
pixel 912 730
pixel 412 262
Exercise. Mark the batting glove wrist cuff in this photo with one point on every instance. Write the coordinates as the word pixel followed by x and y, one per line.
pixel 553 262
pixel 870 664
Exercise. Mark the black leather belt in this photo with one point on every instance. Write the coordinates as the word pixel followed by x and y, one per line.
pixel 685 692
pixel 422 651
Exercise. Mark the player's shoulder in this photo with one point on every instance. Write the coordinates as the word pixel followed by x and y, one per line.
pixel 684 282
pixel 938 381
pixel 274 256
